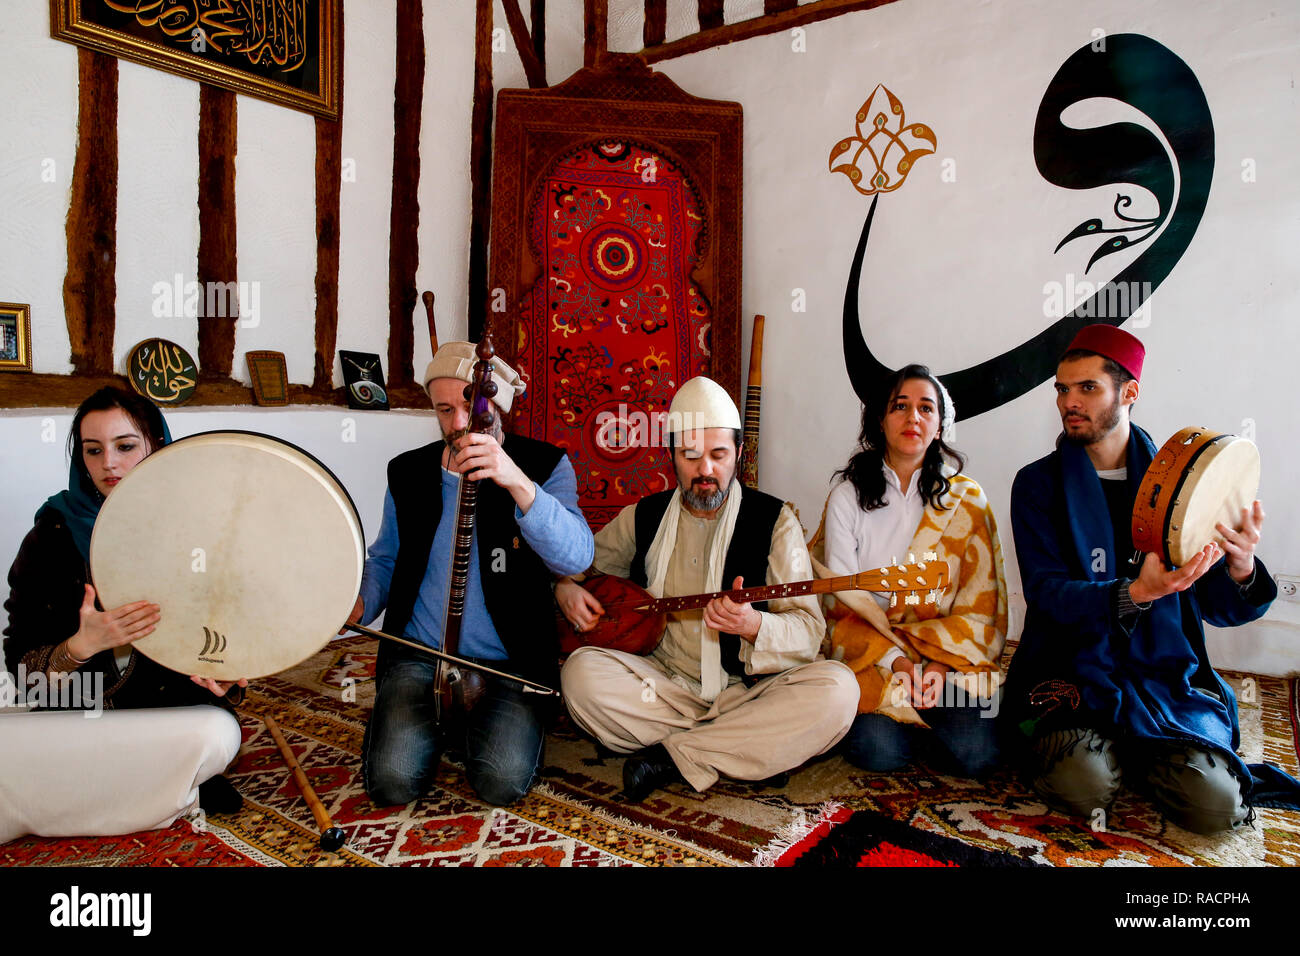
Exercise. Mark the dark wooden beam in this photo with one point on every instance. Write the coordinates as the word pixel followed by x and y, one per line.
pixel 656 22
pixel 758 26
pixel 538 20
pixel 218 247
pixel 90 285
pixel 533 68
pixel 329 173
pixel 710 14
pixel 595 21
pixel 68 391
pixel 480 169
pixel 404 219
pixel 776 6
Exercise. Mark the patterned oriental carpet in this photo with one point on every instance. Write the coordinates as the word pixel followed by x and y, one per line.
pixel 575 818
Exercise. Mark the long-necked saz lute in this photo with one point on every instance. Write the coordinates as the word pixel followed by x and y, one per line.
pixel 634 620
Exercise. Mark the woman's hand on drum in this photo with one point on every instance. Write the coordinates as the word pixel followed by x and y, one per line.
pixel 1154 582
pixel 1240 544
pixel 218 687
pixel 578 604
pixel 103 630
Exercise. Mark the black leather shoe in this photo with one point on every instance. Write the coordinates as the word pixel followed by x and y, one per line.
pixel 219 795
pixel 646 771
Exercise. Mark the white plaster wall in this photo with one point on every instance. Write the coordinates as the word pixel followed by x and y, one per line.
pixel 365 196
pixel 38 124
pixel 157 208
pixel 275 211
pixel 955 270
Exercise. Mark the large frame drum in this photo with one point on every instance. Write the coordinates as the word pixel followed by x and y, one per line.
pixel 250 546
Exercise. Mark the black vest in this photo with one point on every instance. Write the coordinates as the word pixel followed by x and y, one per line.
pixel 517 594
pixel 746 555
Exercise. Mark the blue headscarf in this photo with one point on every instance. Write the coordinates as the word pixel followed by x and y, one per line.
pixel 80 504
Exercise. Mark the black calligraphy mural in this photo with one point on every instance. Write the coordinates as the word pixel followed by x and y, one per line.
pixel 1136 70
pixel 281 50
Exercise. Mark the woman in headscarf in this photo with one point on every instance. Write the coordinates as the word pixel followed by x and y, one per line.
pixel 928 672
pixel 135 767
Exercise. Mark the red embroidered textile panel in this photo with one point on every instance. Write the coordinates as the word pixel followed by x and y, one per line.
pixel 614 323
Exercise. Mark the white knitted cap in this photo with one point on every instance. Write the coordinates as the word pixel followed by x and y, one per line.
pixel 702 403
pixel 456 360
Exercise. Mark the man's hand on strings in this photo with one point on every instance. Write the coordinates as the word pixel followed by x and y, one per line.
pixel 729 617
pixel 578 604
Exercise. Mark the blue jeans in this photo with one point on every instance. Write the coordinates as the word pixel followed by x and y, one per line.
pixel 960 740
pixel 502 741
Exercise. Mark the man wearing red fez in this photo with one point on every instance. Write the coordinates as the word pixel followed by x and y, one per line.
pixel 1111 682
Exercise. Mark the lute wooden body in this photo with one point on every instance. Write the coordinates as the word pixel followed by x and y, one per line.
pixel 634 620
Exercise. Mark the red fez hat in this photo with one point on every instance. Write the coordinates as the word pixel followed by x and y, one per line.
pixel 1114 343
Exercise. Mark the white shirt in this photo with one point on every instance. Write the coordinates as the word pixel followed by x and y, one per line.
pixel 857 539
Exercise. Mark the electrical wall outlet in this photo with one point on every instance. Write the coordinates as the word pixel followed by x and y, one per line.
pixel 1288 587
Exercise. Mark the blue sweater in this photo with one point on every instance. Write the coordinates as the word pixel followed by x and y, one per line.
pixel 554 527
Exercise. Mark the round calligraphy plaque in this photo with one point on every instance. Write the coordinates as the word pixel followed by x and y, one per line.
pixel 162 372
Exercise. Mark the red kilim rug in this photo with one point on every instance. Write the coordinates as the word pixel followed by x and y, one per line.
pixel 614 323
pixel 575 816
pixel 847 838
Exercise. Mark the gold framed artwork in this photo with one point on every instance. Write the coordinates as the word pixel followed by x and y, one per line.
pixel 15 337
pixel 286 51
pixel 270 377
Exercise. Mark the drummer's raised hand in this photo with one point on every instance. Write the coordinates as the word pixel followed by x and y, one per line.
pixel 1154 582
pixel 219 687
pixel 102 630
pixel 480 456
pixel 1240 544
pixel 577 604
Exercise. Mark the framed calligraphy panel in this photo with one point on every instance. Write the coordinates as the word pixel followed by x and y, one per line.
pixel 15 337
pixel 285 51
pixel 162 372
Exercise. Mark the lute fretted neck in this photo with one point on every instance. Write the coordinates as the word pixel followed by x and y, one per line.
pixel 913 579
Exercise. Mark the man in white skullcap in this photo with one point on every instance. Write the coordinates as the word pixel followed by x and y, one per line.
pixel 527 528
pixel 732 689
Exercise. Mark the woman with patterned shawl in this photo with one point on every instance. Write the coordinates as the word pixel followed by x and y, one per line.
pixel 131 751
pixel 928 672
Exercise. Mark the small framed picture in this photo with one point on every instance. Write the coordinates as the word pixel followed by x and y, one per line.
pixel 270 378
pixel 15 337
pixel 364 379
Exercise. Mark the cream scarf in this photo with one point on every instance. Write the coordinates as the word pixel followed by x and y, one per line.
pixel 660 553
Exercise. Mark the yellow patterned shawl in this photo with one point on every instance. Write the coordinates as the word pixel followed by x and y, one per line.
pixel 965 630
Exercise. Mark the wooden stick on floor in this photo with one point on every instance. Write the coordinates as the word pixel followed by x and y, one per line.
pixel 331 837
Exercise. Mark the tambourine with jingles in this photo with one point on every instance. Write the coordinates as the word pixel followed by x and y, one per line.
pixel 1198 479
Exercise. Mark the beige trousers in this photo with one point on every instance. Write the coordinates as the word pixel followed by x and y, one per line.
pixel 749 733
pixel 67 774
